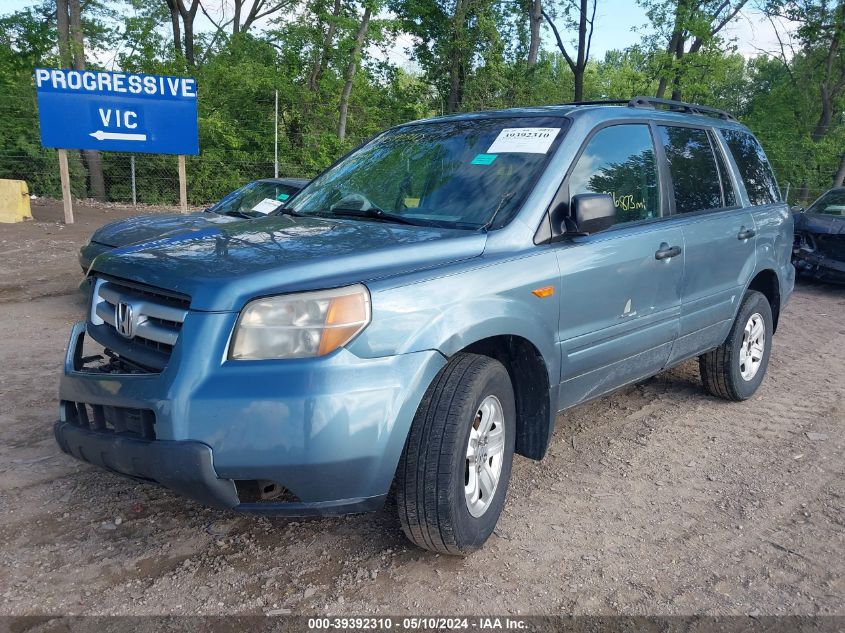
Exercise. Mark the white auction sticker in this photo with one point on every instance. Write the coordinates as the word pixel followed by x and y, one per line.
pixel 526 140
pixel 266 206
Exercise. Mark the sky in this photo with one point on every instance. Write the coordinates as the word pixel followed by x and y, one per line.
pixel 619 24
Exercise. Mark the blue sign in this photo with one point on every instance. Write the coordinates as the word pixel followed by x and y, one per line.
pixel 117 112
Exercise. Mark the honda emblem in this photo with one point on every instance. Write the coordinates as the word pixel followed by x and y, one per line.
pixel 124 319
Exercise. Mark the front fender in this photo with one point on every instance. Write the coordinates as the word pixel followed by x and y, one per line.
pixel 448 313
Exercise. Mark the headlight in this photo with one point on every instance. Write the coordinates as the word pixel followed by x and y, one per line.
pixel 300 325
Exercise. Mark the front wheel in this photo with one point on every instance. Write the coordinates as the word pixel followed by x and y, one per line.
pixel 735 369
pixel 454 471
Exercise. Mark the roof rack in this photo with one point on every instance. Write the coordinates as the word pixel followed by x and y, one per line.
pixel 598 102
pixel 654 102
pixel 679 106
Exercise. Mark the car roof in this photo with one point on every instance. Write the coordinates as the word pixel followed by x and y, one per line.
pixel 599 111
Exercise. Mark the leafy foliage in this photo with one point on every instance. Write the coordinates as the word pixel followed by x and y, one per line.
pixel 466 55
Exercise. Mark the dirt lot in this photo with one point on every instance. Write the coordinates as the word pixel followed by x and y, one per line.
pixel 655 500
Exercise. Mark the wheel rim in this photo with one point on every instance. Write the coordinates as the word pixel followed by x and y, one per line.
pixel 484 456
pixel 753 346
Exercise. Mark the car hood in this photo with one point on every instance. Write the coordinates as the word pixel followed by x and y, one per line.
pixel 223 266
pixel 820 223
pixel 149 227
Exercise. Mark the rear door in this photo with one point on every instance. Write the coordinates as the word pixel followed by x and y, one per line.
pixel 620 303
pixel 719 236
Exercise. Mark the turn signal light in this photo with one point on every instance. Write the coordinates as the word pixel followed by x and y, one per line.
pixel 545 291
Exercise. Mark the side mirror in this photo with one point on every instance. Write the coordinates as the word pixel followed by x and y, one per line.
pixel 592 212
pixel 797 209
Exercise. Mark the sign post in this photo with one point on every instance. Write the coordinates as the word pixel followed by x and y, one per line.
pixel 64 174
pixel 117 112
pixel 183 188
pixel 132 176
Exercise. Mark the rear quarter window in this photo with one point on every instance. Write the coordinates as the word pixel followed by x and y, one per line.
pixel 754 168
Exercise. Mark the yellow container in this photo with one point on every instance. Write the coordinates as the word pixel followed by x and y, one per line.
pixel 14 201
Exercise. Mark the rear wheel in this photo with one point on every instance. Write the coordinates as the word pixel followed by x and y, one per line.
pixel 454 471
pixel 735 369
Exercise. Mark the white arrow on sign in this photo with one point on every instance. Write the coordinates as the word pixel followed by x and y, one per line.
pixel 117 136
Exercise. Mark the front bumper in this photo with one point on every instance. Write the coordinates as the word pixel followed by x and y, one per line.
pixel 328 430
pixel 184 467
pixel 818 265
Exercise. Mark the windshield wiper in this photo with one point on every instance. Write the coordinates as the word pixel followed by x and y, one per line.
pixel 238 214
pixel 375 214
pixel 285 211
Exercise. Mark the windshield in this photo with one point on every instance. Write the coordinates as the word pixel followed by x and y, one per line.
pixel 463 173
pixel 255 199
pixel 831 203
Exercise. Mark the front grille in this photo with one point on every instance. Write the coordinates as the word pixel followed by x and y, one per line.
pixel 154 321
pixel 138 423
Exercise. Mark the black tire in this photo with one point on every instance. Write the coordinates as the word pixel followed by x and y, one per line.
pixel 720 368
pixel 431 475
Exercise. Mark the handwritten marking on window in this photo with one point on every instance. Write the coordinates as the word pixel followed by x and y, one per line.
pixel 626 202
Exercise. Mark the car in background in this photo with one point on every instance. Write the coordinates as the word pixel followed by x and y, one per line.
pixel 819 248
pixel 254 200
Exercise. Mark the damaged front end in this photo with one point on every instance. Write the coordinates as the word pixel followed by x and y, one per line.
pixel 820 256
pixel 819 247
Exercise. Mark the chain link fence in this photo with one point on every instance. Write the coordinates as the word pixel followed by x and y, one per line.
pixel 244 151
pixel 233 151
pixel 140 178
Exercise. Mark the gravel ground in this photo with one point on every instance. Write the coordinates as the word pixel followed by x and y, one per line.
pixel 658 499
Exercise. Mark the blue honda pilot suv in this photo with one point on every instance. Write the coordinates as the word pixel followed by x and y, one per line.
pixel 426 307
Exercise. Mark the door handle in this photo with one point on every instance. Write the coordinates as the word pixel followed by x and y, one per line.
pixel 745 234
pixel 667 252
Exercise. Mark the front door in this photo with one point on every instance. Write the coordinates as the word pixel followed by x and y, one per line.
pixel 621 288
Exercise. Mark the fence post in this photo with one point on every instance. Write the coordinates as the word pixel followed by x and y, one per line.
pixel 132 169
pixel 65 177
pixel 276 139
pixel 183 187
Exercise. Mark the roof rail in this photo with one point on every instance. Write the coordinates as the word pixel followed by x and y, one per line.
pixel 679 106
pixel 598 102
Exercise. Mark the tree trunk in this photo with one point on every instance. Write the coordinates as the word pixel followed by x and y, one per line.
pixel 581 58
pixel 456 58
pixel 360 38
pixel 535 17
pixel 187 15
pixel 64 33
pixel 174 23
pixel 92 158
pixel 676 74
pixel 578 66
pixel 840 173
pixel 675 42
pixel 77 43
pixel 236 19
pixel 189 42
pixel 804 192
pixel 579 85
pixel 325 54
pixel 825 117
pixel 453 101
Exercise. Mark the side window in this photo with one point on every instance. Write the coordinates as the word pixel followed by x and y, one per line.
pixel 727 185
pixel 753 167
pixel 692 165
pixel 619 160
